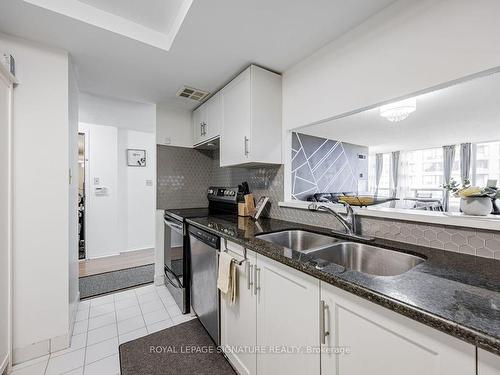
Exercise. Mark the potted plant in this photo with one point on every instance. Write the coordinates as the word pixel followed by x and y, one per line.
pixel 474 200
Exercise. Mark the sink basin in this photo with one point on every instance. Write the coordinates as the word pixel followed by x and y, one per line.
pixel 298 240
pixel 368 259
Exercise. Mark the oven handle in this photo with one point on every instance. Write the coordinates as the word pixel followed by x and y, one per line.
pixel 173 225
pixel 177 284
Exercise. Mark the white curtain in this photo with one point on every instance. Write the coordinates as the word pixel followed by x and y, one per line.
pixel 448 158
pixel 395 158
pixel 465 161
pixel 379 164
pixel 403 181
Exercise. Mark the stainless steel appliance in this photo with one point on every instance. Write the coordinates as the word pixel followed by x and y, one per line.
pixel 176 254
pixel 204 293
pixel 177 264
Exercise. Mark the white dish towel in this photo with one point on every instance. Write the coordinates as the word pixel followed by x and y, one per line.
pixel 226 280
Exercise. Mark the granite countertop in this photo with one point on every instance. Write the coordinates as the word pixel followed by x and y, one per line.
pixel 455 293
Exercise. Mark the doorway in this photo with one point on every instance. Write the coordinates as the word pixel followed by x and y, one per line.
pixel 81 197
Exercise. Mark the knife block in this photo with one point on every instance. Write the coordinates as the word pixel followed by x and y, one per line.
pixel 246 208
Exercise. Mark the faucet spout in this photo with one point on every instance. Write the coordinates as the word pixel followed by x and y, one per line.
pixel 349 223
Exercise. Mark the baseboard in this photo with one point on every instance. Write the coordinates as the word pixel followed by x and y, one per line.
pixel 159 280
pixel 27 353
pixel 48 346
pixel 101 256
pixel 4 363
pixel 60 342
pixel 138 249
pixel 72 319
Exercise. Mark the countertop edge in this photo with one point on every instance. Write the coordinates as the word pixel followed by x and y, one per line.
pixel 471 336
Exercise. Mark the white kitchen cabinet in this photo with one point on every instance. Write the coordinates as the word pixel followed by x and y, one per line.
pixel 198 120
pixel 287 319
pixel 276 309
pixel 207 120
pixel 487 363
pixel 238 321
pixel 384 342
pixel 251 119
pixel 213 121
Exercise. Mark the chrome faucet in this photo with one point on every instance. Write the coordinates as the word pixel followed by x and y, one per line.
pixel 349 222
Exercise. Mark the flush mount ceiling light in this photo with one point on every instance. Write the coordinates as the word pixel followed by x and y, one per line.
pixel 398 111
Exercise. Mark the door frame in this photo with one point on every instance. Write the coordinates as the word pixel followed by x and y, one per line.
pixel 86 167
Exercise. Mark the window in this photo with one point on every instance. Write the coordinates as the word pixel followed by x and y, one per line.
pixel 482 164
pixel 433 167
pixel 421 173
pixel 487 163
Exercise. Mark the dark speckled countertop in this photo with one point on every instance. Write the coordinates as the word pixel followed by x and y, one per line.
pixel 455 293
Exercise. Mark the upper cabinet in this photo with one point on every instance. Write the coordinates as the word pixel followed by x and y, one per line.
pixel 246 114
pixel 207 120
pixel 251 119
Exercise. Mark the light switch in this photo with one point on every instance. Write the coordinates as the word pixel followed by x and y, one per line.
pixel 149 182
pixel 97 180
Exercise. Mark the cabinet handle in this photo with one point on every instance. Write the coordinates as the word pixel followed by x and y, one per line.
pixel 246 145
pixel 201 128
pixel 256 280
pixel 204 128
pixel 249 276
pixel 322 326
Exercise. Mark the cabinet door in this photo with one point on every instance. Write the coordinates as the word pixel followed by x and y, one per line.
pixel 213 117
pixel 287 319
pixel 487 363
pixel 235 145
pixel 198 125
pixel 383 342
pixel 238 321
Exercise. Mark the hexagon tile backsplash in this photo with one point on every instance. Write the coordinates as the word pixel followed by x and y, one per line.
pixel 463 240
pixel 185 174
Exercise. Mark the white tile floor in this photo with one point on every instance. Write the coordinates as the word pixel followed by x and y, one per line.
pixel 102 324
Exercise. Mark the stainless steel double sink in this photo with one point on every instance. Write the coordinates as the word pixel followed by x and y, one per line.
pixel 360 257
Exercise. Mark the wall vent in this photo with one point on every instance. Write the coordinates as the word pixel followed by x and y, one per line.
pixel 194 94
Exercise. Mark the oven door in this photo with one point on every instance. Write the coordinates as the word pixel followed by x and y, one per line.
pixel 176 271
pixel 174 252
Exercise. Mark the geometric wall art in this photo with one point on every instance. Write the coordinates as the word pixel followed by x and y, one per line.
pixel 321 165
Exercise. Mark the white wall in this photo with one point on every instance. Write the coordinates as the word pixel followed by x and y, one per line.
pixel 173 126
pixel 101 210
pixel 40 202
pixel 118 113
pixel 140 203
pixel 408 47
pixel 123 220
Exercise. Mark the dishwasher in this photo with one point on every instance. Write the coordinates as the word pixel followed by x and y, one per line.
pixel 204 248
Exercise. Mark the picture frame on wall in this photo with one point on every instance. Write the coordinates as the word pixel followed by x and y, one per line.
pixel 136 158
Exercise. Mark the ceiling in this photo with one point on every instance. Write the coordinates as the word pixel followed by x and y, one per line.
pixel 158 15
pixel 217 39
pixel 465 112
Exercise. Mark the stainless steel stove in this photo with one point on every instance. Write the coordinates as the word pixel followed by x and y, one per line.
pixel 177 255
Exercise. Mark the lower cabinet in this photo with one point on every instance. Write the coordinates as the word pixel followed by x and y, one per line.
pixel 239 320
pixel 287 320
pixel 282 317
pixel 487 363
pixel 275 317
pixel 383 342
